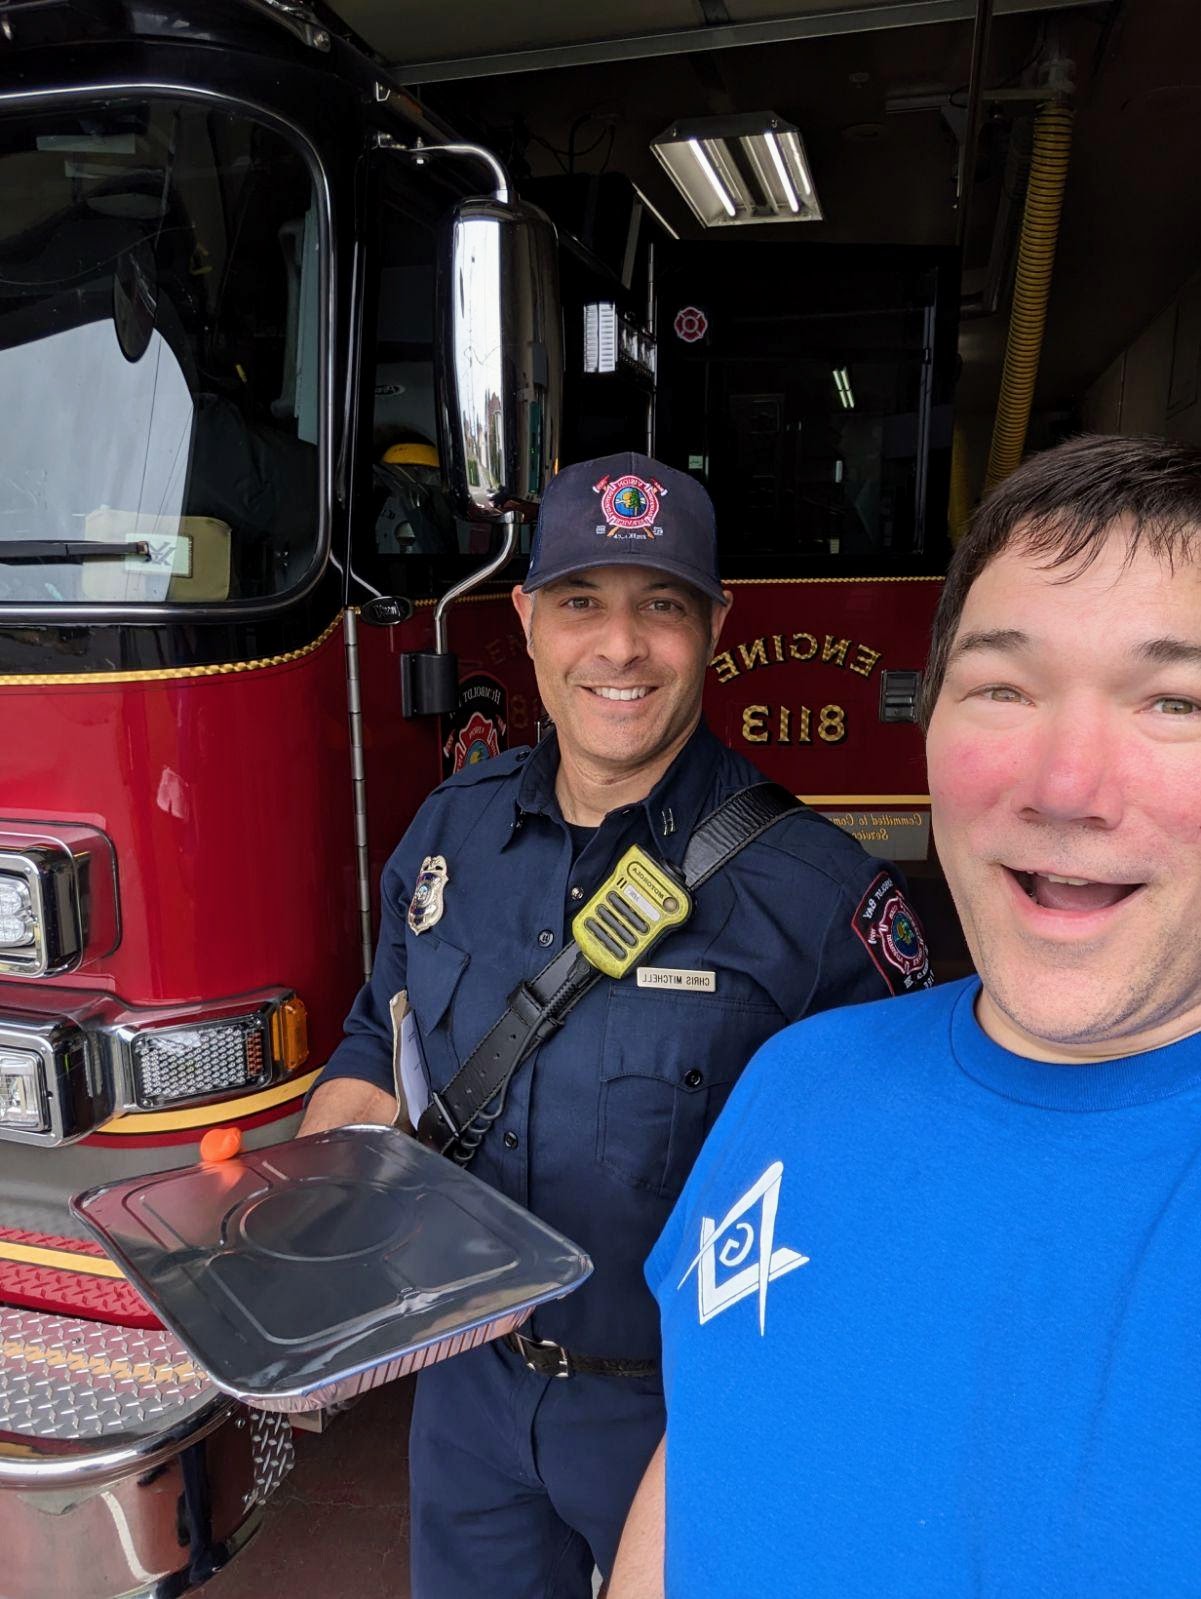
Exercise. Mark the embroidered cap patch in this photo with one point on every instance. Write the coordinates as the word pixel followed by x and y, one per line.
pixel 630 506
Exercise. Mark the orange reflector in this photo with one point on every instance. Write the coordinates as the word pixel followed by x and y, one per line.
pixel 290 1034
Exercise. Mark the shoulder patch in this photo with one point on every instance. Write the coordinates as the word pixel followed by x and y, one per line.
pixel 892 936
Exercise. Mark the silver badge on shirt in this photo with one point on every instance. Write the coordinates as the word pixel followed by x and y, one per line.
pixel 426 905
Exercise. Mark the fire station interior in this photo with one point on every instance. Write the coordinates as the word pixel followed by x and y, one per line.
pixel 845 390
pixel 842 401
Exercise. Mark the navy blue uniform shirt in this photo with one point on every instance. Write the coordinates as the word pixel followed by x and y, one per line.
pixel 602 1124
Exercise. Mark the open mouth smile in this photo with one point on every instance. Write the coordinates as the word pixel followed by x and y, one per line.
pixel 1054 891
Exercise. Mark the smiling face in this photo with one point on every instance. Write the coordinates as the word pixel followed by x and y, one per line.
pixel 1065 777
pixel 620 654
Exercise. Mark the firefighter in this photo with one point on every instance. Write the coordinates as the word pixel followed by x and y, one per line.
pixel 525 1454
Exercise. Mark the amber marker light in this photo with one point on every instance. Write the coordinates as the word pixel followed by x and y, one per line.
pixel 290 1034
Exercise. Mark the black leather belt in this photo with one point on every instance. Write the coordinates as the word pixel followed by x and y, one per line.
pixel 552 1360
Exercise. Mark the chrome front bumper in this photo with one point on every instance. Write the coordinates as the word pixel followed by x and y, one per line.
pixel 123 1472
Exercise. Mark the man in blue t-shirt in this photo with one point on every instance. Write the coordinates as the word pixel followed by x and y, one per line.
pixel 931 1300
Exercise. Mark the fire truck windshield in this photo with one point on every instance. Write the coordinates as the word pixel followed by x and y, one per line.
pixel 159 357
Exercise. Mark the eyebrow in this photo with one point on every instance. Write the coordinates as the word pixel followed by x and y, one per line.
pixel 1170 652
pixel 1011 640
pixel 1005 639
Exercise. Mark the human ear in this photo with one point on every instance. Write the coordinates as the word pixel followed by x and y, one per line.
pixel 523 604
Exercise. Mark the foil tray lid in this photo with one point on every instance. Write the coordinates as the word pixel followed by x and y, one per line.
pixel 296 1265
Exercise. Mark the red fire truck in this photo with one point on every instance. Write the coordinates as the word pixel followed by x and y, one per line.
pixel 239 279
pixel 278 385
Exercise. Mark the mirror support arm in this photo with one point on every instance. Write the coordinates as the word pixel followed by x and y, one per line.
pixel 474 579
pixel 419 152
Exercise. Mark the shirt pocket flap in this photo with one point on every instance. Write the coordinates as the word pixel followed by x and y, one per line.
pixel 668 1064
pixel 434 969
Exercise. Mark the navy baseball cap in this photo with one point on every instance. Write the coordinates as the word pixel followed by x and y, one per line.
pixel 625 510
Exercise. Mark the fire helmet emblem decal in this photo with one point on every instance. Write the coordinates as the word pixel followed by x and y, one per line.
pixel 691 324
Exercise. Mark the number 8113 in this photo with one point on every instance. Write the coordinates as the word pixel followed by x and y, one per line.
pixel 784 724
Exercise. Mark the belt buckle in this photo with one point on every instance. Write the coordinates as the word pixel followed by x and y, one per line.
pixel 564 1364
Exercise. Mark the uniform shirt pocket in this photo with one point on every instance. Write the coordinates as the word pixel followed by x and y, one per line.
pixel 435 968
pixel 668 1062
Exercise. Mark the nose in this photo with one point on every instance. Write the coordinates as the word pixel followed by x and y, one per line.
pixel 622 643
pixel 1073 772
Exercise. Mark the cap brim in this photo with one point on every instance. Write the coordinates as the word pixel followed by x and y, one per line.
pixel 687 574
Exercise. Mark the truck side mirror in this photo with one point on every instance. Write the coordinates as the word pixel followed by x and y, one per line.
pixel 500 331
pixel 501 334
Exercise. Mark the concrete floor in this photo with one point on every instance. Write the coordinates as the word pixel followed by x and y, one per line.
pixel 339 1525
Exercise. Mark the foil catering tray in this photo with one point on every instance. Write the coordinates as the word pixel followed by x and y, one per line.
pixel 302 1274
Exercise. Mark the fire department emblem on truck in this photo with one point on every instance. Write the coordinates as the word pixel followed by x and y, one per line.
pixel 478 741
pixel 475 730
pixel 629 506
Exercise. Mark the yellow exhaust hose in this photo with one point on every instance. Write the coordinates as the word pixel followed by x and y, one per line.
pixel 1032 288
pixel 959 504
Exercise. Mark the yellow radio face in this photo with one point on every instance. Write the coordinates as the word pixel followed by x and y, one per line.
pixel 629 913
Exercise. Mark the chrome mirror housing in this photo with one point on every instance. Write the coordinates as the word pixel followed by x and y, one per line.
pixel 501 333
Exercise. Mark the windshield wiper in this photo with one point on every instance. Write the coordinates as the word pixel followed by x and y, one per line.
pixel 56 552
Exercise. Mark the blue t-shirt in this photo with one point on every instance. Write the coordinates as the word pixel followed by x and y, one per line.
pixel 932 1320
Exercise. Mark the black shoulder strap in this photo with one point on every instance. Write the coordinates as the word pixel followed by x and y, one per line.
pixel 455 1121
pixel 742 819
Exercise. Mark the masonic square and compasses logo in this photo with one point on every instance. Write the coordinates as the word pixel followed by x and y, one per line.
pixel 738 1258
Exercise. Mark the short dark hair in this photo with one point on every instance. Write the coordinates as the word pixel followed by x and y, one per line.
pixel 1063 504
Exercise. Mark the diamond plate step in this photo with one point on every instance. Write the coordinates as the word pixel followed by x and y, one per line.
pixel 71 1380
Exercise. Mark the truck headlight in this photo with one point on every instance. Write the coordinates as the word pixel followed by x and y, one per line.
pixel 23 918
pixel 58 898
pixel 22 1091
pixel 53 1089
pixel 17 916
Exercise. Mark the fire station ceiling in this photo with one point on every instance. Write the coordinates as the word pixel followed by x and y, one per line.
pixel 430 41
pixel 878 89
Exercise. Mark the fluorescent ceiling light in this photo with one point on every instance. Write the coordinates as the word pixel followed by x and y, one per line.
pixel 842 382
pixel 715 182
pixel 773 145
pixel 740 169
pixel 792 143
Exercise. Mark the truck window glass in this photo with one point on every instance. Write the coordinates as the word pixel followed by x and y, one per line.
pixel 159 369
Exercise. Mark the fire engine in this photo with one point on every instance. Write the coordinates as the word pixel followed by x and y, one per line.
pixel 282 372
pixel 240 276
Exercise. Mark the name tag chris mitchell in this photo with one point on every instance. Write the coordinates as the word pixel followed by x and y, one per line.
pixel 675 977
